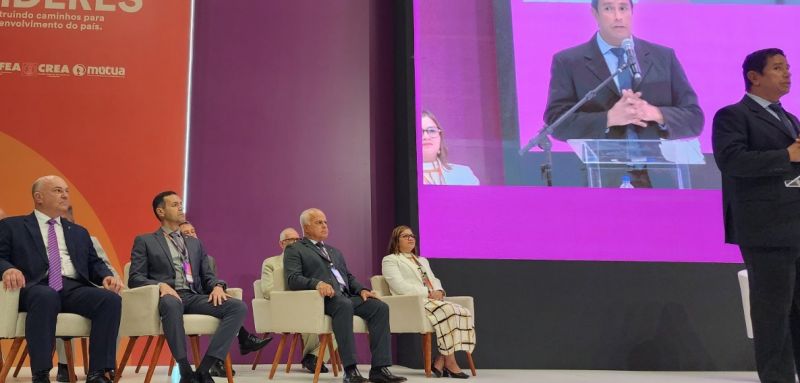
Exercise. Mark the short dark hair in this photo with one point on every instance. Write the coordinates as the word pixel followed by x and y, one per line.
pixel 756 62
pixel 595 2
pixel 158 201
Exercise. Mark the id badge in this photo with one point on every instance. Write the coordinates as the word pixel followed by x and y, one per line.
pixel 338 276
pixel 187 269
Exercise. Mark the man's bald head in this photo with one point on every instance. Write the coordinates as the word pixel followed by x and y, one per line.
pixel 50 195
pixel 287 237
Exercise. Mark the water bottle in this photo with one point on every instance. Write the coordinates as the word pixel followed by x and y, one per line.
pixel 626 182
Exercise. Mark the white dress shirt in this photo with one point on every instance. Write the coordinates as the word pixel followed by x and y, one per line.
pixel 67 269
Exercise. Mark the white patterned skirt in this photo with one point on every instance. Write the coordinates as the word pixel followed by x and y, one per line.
pixel 454 326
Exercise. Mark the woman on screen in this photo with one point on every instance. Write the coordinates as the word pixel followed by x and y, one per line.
pixel 437 170
pixel 408 274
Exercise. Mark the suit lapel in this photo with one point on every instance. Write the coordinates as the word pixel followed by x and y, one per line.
pixel 765 116
pixel 645 62
pixel 596 64
pixel 410 264
pixel 159 235
pixel 36 235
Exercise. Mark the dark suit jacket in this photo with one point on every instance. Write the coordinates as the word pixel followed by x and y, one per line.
pixel 304 267
pixel 750 151
pixel 151 263
pixel 578 70
pixel 22 247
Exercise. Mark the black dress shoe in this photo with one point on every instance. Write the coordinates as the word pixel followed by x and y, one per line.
pixel 353 376
pixel 111 374
pixel 188 377
pixel 97 377
pixel 253 343
pixel 218 369
pixel 204 377
pixel 309 362
pixel 457 375
pixel 41 376
pixel 63 373
pixel 436 372
pixel 382 375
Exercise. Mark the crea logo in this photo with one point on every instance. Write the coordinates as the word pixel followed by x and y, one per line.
pixel 78 70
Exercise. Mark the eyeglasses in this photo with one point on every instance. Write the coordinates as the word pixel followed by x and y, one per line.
pixel 291 240
pixel 433 132
pixel 408 236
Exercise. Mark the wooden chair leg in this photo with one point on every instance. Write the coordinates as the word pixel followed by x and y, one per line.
pixel 12 354
pixel 125 356
pixel 144 353
pixel 323 344
pixel 426 353
pixel 332 353
pixel 258 355
pixel 21 360
pixel 195 341
pixel 85 354
pixel 229 368
pixel 154 359
pixel 278 353
pixel 1 355
pixel 70 360
pixel 171 366
pixel 295 338
pixel 471 364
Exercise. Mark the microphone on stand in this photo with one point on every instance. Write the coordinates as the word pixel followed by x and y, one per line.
pixel 636 70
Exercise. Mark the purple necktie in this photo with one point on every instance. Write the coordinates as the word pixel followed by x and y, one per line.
pixel 54 258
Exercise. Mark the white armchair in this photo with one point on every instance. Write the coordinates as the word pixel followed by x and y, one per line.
pixel 407 315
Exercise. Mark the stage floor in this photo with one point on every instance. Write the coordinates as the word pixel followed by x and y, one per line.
pixel 245 375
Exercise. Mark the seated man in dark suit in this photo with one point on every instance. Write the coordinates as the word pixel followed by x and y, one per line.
pixel 309 264
pixel 179 266
pixel 661 104
pixel 54 262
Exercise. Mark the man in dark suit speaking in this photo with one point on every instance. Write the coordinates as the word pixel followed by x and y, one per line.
pixel 757 150
pixel 179 265
pixel 54 263
pixel 311 264
pixel 661 104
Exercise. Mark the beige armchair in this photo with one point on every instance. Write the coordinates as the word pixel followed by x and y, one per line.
pixel 407 315
pixel 12 326
pixel 304 312
pixel 140 318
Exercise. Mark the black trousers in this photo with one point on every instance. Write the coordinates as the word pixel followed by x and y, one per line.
pixel 773 274
pixel 376 313
pixel 231 314
pixel 42 303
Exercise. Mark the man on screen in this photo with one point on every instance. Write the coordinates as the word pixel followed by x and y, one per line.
pixel 661 104
pixel 757 150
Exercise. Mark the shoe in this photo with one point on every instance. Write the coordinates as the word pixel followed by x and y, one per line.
pixel 436 372
pixel 204 377
pixel 188 377
pixel 41 377
pixel 253 343
pixel 97 377
pixel 111 374
pixel 382 375
pixel 218 369
pixel 63 373
pixel 309 362
pixel 353 376
pixel 457 375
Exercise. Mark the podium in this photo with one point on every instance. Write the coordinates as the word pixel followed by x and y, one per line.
pixel 605 159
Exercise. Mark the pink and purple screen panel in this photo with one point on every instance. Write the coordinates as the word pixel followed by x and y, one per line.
pixel 561 223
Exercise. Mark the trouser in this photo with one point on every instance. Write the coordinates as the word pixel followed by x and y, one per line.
pixel 376 313
pixel 231 314
pixel 774 310
pixel 42 303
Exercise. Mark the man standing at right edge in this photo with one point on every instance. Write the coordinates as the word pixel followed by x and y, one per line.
pixel 757 150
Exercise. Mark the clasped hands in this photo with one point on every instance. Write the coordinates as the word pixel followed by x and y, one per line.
pixel 632 109
pixel 326 290
pixel 14 279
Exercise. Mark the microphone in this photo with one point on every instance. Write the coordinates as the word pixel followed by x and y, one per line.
pixel 636 70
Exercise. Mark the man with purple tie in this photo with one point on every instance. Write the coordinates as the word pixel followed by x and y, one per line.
pixel 55 265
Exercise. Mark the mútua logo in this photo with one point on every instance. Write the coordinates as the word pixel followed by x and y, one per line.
pixel 78 70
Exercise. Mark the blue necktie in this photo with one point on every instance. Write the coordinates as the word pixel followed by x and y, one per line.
pixel 625 82
pixel 778 109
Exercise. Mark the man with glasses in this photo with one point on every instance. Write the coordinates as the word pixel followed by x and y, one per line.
pixel 287 237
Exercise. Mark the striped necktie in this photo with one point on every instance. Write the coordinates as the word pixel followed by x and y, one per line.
pixel 53 258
